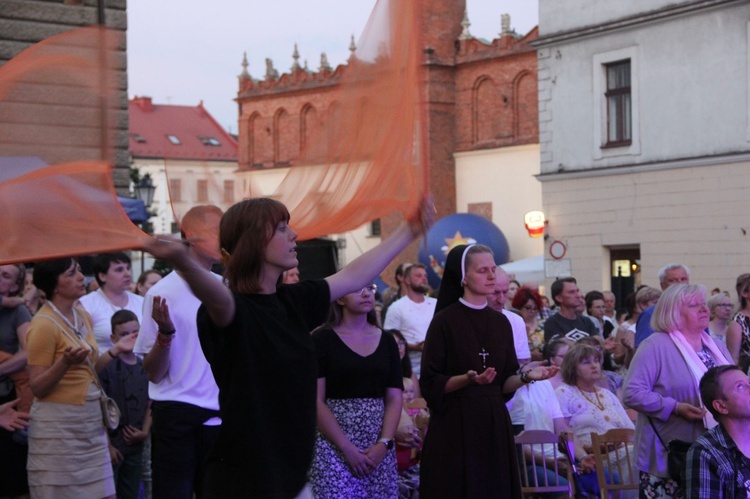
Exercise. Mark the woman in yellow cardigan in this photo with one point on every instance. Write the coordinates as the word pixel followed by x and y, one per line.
pixel 68 451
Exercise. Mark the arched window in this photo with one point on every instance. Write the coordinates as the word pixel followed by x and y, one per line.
pixel 525 109
pixel 281 147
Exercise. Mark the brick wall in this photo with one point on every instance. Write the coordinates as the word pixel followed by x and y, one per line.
pixel 26 22
pixel 479 96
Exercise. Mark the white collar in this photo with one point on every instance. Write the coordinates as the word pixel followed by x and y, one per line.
pixel 471 305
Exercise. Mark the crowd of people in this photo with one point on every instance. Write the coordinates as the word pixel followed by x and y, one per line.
pixel 254 383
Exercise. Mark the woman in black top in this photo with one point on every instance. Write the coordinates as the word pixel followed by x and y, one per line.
pixel 255 335
pixel 359 403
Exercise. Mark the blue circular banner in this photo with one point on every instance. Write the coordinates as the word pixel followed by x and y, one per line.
pixel 456 229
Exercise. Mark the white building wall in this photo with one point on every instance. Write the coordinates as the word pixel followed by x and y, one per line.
pixel 680 191
pixel 695 215
pixel 556 16
pixel 506 178
pixel 690 77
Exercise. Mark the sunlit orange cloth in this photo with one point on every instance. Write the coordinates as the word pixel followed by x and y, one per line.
pixel 57 128
pixel 369 157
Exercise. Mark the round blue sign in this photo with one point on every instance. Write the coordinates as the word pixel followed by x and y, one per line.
pixel 456 229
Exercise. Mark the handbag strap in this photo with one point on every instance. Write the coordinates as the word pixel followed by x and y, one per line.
pixel 656 432
pixel 78 342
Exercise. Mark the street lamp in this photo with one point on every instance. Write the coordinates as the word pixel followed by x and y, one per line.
pixel 144 190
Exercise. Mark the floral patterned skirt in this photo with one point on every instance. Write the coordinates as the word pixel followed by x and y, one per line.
pixel 653 486
pixel 330 476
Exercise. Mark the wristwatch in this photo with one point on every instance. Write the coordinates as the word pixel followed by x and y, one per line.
pixel 388 442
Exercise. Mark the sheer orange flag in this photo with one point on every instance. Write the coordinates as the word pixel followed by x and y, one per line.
pixel 56 134
pixel 57 131
pixel 367 156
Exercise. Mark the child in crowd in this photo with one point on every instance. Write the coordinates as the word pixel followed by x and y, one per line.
pixel 125 381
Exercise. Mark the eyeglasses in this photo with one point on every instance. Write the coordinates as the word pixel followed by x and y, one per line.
pixel 372 288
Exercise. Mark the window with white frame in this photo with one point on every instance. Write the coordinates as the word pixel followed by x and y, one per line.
pixel 616 101
pixel 619 114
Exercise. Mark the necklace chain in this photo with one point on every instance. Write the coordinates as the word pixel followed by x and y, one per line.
pixel 74 325
pixel 597 403
pixel 111 303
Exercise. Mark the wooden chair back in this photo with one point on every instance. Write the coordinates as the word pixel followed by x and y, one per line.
pixel 614 452
pixel 535 480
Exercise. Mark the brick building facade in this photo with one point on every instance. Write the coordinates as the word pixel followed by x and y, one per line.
pixel 26 22
pixel 481 98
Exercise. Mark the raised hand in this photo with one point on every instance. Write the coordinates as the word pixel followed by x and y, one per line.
pixel 160 314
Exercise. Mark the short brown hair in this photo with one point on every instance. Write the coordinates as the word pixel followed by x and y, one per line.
pixel 244 233
pixel 574 357
pixel 411 267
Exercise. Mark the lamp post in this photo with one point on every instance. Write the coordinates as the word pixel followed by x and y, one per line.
pixel 144 190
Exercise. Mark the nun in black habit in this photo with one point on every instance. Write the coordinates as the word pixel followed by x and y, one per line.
pixel 469 367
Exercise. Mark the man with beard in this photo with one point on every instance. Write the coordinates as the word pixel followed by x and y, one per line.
pixel 411 314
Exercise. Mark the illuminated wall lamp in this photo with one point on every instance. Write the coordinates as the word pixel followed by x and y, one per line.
pixel 535 223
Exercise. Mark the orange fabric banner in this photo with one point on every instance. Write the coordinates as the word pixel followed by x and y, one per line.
pixel 57 129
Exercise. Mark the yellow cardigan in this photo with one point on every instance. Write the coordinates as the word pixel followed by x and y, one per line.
pixel 46 343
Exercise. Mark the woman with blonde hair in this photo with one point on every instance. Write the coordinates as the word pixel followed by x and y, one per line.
pixel 662 383
pixel 720 306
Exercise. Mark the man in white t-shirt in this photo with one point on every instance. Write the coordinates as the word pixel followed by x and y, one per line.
pixel 496 301
pixel 185 396
pixel 412 313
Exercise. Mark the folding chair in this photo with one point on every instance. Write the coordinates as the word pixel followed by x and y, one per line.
pixel 613 452
pixel 542 472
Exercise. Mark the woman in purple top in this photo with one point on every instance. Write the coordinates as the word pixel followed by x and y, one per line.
pixel 662 383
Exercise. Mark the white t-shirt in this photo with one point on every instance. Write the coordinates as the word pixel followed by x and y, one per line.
pixel 535 406
pixel 189 378
pixel 101 311
pixel 520 339
pixel 412 319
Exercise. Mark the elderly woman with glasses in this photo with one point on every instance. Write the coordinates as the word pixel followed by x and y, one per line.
pixel 662 383
pixel 720 306
pixel 738 333
pixel 359 402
